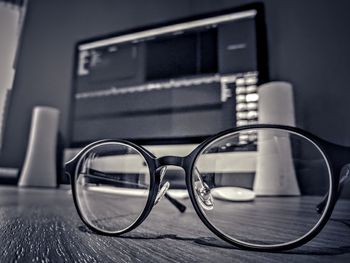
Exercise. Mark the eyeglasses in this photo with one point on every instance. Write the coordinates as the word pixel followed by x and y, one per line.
pixel 296 177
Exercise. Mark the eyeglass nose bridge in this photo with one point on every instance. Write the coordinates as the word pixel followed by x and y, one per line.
pixel 170 160
pixel 202 189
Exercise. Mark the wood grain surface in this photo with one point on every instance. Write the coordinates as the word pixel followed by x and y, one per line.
pixel 41 225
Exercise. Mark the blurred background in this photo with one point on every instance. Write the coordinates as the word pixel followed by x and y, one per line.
pixel 302 42
pixel 167 75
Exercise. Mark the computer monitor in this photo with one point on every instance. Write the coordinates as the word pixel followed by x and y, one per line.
pixel 177 82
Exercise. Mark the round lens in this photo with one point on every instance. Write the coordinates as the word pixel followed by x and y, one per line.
pixel 112 183
pixel 261 187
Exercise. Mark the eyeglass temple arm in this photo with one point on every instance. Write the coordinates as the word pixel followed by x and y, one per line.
pixel 344 179
pixel 106 176
pixel 181 207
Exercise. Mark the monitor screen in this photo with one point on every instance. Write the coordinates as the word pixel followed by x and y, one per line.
pixel 169 83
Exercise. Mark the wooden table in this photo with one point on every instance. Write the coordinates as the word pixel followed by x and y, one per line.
pixel 41 225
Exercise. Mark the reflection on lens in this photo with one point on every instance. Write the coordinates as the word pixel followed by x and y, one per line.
pixel 263 193
pixel 112 186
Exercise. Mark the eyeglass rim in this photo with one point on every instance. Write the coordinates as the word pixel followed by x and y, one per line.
pixel 153 186
pixel 264 247
pixel 188 164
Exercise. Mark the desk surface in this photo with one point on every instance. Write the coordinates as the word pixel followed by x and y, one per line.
pixel 43 226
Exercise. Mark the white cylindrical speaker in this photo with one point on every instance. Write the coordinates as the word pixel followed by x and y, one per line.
pixel 39 169
pixel 275 173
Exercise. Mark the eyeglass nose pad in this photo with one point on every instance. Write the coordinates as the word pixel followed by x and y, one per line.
pixel 345 176
pixel 164 188
pixel 162 192
pixel 203 192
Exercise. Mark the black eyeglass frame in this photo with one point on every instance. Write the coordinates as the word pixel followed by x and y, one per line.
pixel 337 157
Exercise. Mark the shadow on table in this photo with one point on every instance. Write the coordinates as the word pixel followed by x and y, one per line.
pixel 147 236
pixel 304 250
pixel 218 243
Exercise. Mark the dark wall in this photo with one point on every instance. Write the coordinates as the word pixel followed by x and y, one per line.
pixel 308 45
pixel 46 55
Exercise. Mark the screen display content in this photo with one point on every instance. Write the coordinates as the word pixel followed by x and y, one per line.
pixel 170 83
